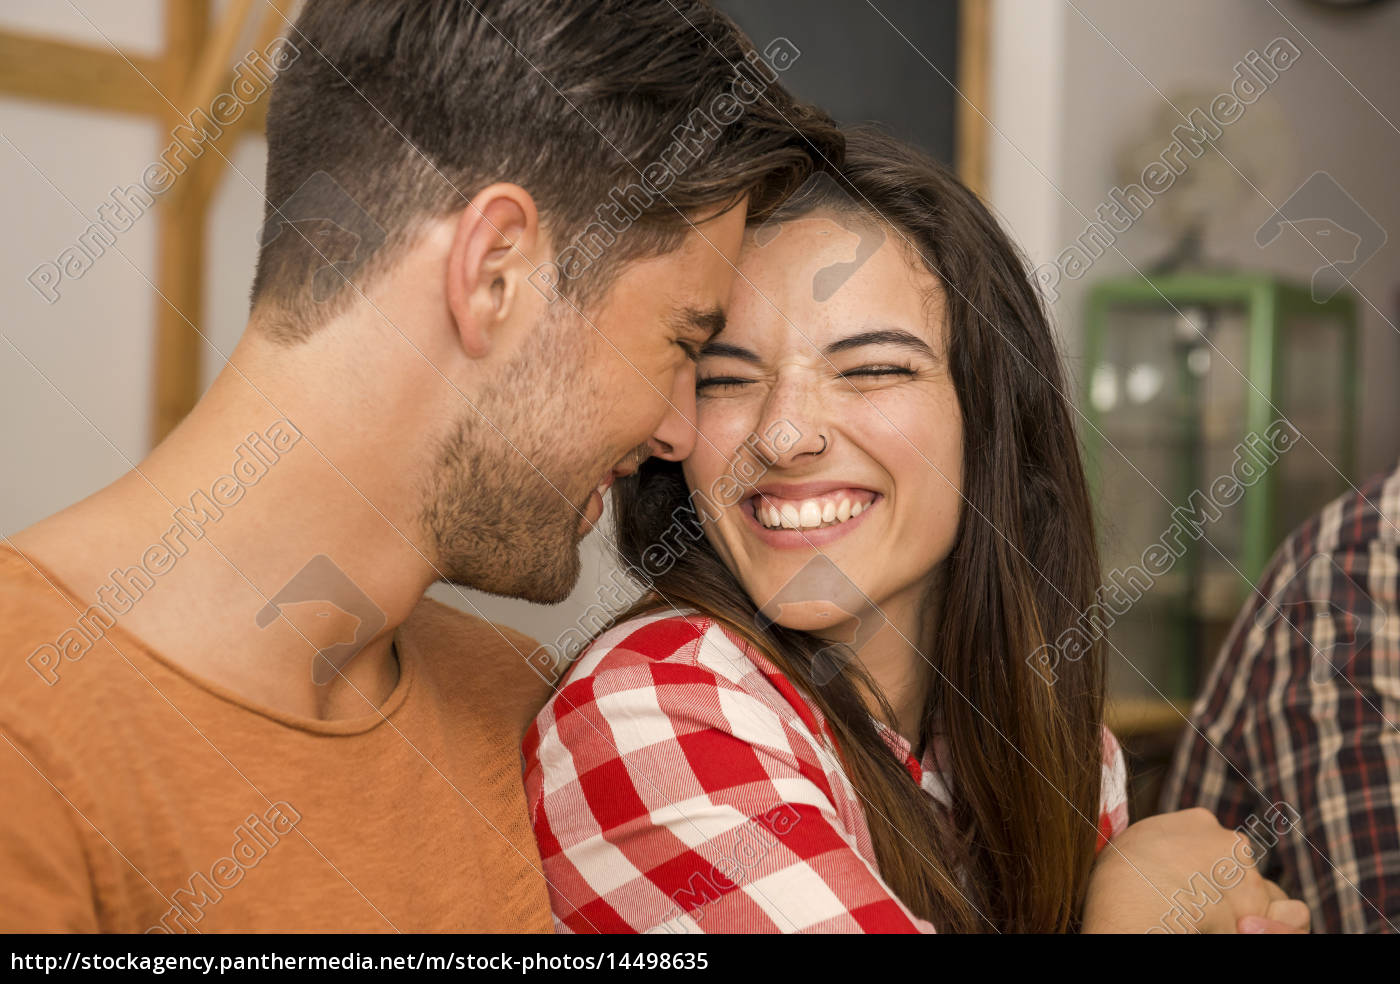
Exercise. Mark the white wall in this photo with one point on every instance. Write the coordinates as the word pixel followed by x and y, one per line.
pixel 1097 72
pixel 1026 53
pixel 91 347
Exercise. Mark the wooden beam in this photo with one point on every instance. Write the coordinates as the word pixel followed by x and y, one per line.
pixel 254 122
pixel 34 67
pixel 205 178
pixel 180 242
pixel 974 54
pixel 208 73
pixel 254 118
pixel 201 69
pixel 276 22
pixel 1128 717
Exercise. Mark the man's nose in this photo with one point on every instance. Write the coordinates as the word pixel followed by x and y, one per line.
pixel 674 439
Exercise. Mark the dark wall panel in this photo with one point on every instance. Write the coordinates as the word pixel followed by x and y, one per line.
pixel 858 67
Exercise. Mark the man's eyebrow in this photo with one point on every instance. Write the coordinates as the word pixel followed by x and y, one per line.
pixel 882 336
pixel 709 321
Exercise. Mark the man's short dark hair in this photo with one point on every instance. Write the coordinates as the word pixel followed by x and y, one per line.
pixel 620 117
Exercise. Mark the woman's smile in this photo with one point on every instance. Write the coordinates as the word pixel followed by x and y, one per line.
pixel 809 515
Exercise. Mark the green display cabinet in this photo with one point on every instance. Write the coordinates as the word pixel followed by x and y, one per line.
pixel 1192 383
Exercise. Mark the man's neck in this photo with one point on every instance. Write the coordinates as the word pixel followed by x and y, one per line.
pixel 261 532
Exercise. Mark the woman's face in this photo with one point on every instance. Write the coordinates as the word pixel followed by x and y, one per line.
pixel 864 506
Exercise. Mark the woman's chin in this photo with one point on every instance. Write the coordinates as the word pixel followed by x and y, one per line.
pixel 821 618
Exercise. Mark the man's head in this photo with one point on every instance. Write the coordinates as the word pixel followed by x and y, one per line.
pixel 543 203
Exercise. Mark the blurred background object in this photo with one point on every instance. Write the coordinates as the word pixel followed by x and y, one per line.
pixel 1205 191
pixel 1220 412
pixel 1254 159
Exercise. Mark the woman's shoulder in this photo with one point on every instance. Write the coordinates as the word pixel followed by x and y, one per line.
pixel 674 671
pixel 679 638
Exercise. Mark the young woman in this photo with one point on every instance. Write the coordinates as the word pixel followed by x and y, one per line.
pixel 827 716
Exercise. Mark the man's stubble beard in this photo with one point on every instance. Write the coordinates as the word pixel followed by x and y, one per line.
pixel 505 519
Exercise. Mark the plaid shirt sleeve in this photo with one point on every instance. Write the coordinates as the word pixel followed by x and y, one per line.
pixel 667 796
pixel 1295 735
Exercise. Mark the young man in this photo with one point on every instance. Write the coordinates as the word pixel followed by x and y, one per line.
pixel 1295 736
pixel 497 235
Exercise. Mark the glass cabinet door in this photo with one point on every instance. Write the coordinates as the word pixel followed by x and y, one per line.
pixel 1142 401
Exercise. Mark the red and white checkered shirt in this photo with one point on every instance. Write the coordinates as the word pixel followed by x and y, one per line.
pixel 679 782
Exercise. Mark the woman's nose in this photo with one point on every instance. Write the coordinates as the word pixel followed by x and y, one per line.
pixel 793 408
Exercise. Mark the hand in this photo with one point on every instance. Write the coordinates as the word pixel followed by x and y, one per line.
pixel 1286 916
pixel 1183 872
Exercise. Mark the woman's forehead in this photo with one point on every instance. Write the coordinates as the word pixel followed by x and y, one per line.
pixel 815 274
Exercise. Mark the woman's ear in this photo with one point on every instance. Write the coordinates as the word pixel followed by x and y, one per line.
pixel 489 263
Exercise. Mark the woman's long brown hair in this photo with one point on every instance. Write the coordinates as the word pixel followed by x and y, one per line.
pixel 1014 853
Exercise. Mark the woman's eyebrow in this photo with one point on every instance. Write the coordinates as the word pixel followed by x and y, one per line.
pixel 875 336
pixel 732 351
pixel 882 336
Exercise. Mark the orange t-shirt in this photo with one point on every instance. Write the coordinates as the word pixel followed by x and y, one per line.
pixel 136 796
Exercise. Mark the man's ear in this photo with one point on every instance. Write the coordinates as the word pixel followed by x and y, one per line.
pixel 489 263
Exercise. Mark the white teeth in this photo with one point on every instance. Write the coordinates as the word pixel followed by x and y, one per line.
pixel 807 515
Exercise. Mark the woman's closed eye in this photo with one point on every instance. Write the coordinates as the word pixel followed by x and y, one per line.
pixel 720 382
pixel 874 372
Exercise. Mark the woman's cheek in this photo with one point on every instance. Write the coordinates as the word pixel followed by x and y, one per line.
pixel 894 434
pixel 705 471
pixel 718 437
pixel 927 425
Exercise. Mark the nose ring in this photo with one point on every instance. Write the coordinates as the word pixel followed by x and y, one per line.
pixel 823 450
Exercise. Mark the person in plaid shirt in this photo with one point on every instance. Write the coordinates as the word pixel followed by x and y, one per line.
pixel 826 716
pixel 1303 707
